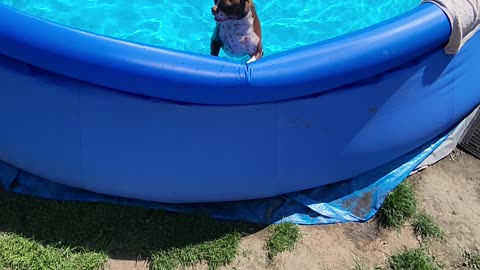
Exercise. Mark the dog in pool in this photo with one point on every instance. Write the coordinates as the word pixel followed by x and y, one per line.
pixel 237 29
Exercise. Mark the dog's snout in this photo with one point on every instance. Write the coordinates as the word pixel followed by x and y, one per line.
pixel 214 9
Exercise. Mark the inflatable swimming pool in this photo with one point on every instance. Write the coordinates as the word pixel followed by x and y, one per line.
pixel 140 122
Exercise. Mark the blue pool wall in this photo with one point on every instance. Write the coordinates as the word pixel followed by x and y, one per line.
pixel 146 123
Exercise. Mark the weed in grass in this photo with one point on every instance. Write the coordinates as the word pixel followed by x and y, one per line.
pixel 19 253
pixel 471 260
pixel 166 239
pixel 398 207
pixel 283 238
pixel 360 266
pixel 246 253
pixel 413 259
pixel 424 226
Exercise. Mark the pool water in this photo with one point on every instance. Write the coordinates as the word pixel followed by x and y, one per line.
pixel 188 24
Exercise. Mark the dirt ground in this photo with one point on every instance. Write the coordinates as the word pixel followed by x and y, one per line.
pixel 448 191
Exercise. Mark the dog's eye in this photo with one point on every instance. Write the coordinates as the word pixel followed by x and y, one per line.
pixel 223 7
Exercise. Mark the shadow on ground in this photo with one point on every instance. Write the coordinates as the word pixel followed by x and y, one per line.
pixel 122 232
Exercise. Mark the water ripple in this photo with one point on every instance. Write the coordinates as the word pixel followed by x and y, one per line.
pixel 187 25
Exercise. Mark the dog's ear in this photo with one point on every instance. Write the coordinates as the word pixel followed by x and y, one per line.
pixel 243 4
pixel 248 4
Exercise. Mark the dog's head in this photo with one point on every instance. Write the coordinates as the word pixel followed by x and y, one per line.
pixel 224 10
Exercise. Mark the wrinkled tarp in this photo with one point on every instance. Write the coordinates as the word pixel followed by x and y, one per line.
pixel 352 200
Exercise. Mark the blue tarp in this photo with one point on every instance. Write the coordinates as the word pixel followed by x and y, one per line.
pixel 353 200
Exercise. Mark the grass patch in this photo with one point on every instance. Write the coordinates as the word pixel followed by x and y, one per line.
pixel 471 260
pixel 17 252
pixel 283 238
pixel 166 239
pixel 398 207
pixel 413 259
pixel 424 226
pixel 215 253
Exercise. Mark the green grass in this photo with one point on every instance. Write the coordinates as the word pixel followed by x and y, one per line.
pixel 424 226
pixel 215 253
pixel 413 259
pixel 17 252
pixel 471 260
pixel 408 259
pixel 283 238
pixel 70 232
pixel 398 207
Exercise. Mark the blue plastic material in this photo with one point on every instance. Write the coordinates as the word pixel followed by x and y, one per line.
pixel 354 200
pixel 84 135
pixel 204 79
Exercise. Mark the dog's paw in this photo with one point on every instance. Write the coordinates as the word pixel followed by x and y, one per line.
pixel 252 59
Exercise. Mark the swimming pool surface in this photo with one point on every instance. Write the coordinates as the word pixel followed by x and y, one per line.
pixel 187 25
